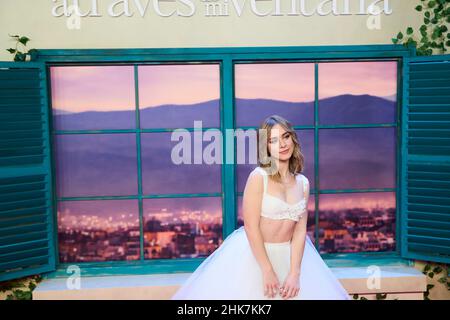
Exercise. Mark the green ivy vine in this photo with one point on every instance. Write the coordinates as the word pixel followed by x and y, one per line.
pixel 20 52
pixel 378 296
pixel 431 272
pixel 434 33
pixel 19 290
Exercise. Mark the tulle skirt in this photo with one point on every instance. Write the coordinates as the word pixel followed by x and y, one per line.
pixel 232 272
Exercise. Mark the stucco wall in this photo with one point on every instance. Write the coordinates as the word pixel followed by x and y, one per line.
pixel 34 19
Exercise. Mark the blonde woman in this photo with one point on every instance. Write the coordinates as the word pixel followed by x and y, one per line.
pixel 271 256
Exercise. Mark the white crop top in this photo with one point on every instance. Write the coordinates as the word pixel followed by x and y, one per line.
pixel 275 208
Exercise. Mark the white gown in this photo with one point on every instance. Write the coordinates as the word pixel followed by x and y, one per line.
pixel 232 272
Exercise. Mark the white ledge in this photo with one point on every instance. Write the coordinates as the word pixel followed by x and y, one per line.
pixel 403 281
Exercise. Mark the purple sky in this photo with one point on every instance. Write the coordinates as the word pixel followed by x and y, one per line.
pixel 105 88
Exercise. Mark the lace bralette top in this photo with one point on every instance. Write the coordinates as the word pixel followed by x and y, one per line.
pixel 275 208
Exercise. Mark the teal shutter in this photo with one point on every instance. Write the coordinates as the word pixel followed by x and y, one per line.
pixel 425 192
pixel 27 244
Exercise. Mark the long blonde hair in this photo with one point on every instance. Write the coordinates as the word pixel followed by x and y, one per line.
pixel 297 160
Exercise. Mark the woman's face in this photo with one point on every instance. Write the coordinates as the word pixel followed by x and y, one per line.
pixel 281 145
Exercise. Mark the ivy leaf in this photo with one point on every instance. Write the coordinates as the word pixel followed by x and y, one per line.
pixel 11 50
pixel 395 40
pixel 409 31
pixel 20 56
pixel 400 36
pixel 419 8
pixel 442 280
pixel 437 269
pixel 24 40
pixel 32 286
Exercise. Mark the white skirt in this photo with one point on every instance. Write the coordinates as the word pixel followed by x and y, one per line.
pixel 232 272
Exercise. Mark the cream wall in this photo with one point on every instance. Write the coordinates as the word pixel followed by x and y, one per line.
pixel 33 19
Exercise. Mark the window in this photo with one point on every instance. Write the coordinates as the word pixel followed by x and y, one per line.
pixel 120 195
pixel 354 134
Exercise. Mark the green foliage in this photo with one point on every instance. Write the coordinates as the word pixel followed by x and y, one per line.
pixel 433 36
pixel 431 271
pixel 20 291
pixel 21 55
pixel 379 296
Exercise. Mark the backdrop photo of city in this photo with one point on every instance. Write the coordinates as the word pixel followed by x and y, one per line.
pixel 182 225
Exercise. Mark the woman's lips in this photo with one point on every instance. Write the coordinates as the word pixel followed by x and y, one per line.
pixel 285 151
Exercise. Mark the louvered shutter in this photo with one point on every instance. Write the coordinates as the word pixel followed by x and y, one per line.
pixel 26 221
pixel 425 210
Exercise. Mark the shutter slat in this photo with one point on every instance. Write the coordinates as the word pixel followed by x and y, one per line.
pixel 431 99
pixel 17 238
pixel 26 212
pixel 23 263
pixel 23 211
pixel 429 232
pixel 430 240
pixel 429 200
pixel 426 159
pixel 27 84
pixel 23 254
pixel 443 75
pixel 5 223
pixel 7 249
pixel 429 250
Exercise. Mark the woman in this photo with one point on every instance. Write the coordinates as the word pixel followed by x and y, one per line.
pixel 271 256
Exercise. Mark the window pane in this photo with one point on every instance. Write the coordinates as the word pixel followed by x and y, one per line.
pixel 264 89
pixel 104 230
pixel 306 140
pixel 357 92
pixel 357 222
pixel 96 165
pixel 182 227
pixel 357 158
pixel 93 97
pixel 161 175
pixel 311 220
pixel 173 96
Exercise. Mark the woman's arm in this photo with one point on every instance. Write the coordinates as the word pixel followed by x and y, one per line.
pixel 299 238
pixel 291 285
pixel 251 206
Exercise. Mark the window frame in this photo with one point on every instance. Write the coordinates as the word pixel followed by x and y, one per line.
pixel 227 57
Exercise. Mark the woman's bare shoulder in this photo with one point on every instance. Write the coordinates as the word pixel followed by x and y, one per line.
pixel 255 178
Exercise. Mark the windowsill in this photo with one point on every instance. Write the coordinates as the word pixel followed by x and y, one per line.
pixel 401 282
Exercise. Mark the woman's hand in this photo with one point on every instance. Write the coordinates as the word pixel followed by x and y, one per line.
pixel 291 286
pixel 271 283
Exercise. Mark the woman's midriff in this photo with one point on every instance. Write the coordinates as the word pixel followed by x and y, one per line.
pixel 276 230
